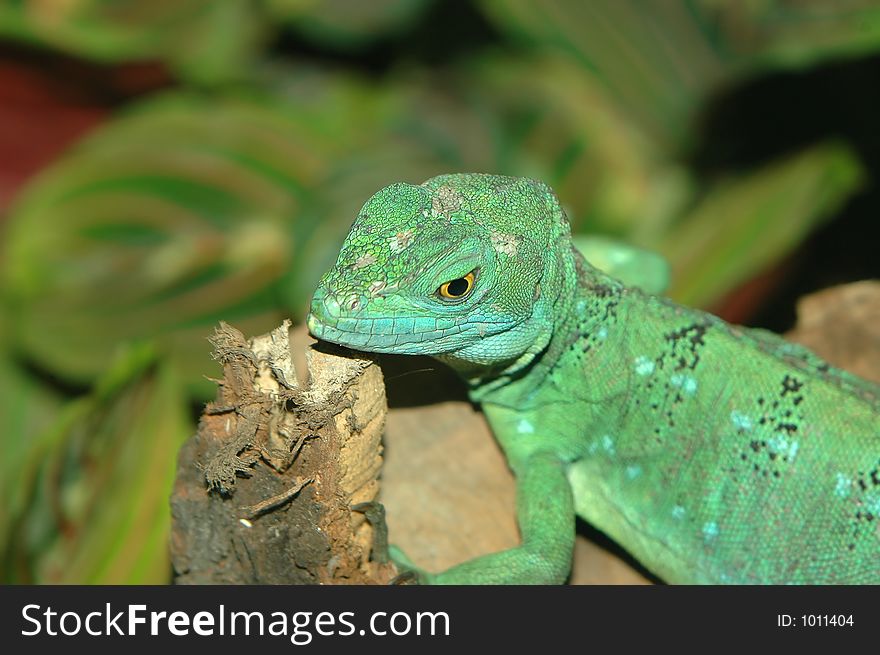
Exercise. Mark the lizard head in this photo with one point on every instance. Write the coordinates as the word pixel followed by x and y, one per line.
pixel 463 267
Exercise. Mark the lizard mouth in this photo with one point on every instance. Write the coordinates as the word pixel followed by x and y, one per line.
pixel 380 336
pixel 363 324
pixel 416 335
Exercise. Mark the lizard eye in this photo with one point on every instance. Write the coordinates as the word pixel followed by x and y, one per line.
pixel 458 288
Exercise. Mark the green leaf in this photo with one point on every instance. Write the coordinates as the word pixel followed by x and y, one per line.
pixel 659 61
pixel 742 225
pixel 155 227
pixel 27 408
pixel 204 40
pixel 92 506
pixel 347 23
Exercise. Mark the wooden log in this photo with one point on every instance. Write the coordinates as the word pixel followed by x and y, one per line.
pixel 277 484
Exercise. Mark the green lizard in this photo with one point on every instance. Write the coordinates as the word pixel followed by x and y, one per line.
pixel 712 453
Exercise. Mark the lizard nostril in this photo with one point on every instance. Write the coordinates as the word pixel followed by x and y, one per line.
pixel 353 303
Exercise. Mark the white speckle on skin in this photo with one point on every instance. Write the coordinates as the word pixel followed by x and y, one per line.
pixel 710 531
pixel 364 260
pixel 843 486
pixel 446 201
pixel 678 512
pixel 782 446
pixel 741 421
pixel 401 240
pixel 644 366
pixel 602 333
pixel 633 471
pixel 608 444
pixel 685 382
pixel 525 427
pixel 506 244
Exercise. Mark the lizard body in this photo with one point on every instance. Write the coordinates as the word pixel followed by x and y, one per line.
pixel 714 454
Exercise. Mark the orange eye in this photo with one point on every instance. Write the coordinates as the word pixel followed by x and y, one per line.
pixel 458 288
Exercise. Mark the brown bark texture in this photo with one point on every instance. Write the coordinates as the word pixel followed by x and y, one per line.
pixel 278 483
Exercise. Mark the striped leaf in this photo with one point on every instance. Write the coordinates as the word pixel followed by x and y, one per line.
pixel 157 226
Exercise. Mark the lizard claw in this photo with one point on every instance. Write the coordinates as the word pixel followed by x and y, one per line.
pixel 409 572
pixel 405 578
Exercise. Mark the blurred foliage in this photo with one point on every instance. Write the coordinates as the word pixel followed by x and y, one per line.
pixel 91 499
pixel 227 196
pixel 203 40
pixel 157 227
pixel 346 24
pixel 659 60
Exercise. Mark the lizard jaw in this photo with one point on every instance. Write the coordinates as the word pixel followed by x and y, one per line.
pixel 393 326
pixel 375 335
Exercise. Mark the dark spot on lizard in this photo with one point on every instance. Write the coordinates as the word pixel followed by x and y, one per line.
pixel 685 344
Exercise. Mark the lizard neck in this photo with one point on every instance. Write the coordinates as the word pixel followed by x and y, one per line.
pixel 582 302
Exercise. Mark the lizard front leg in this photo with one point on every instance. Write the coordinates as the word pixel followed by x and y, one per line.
pixel 546 518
